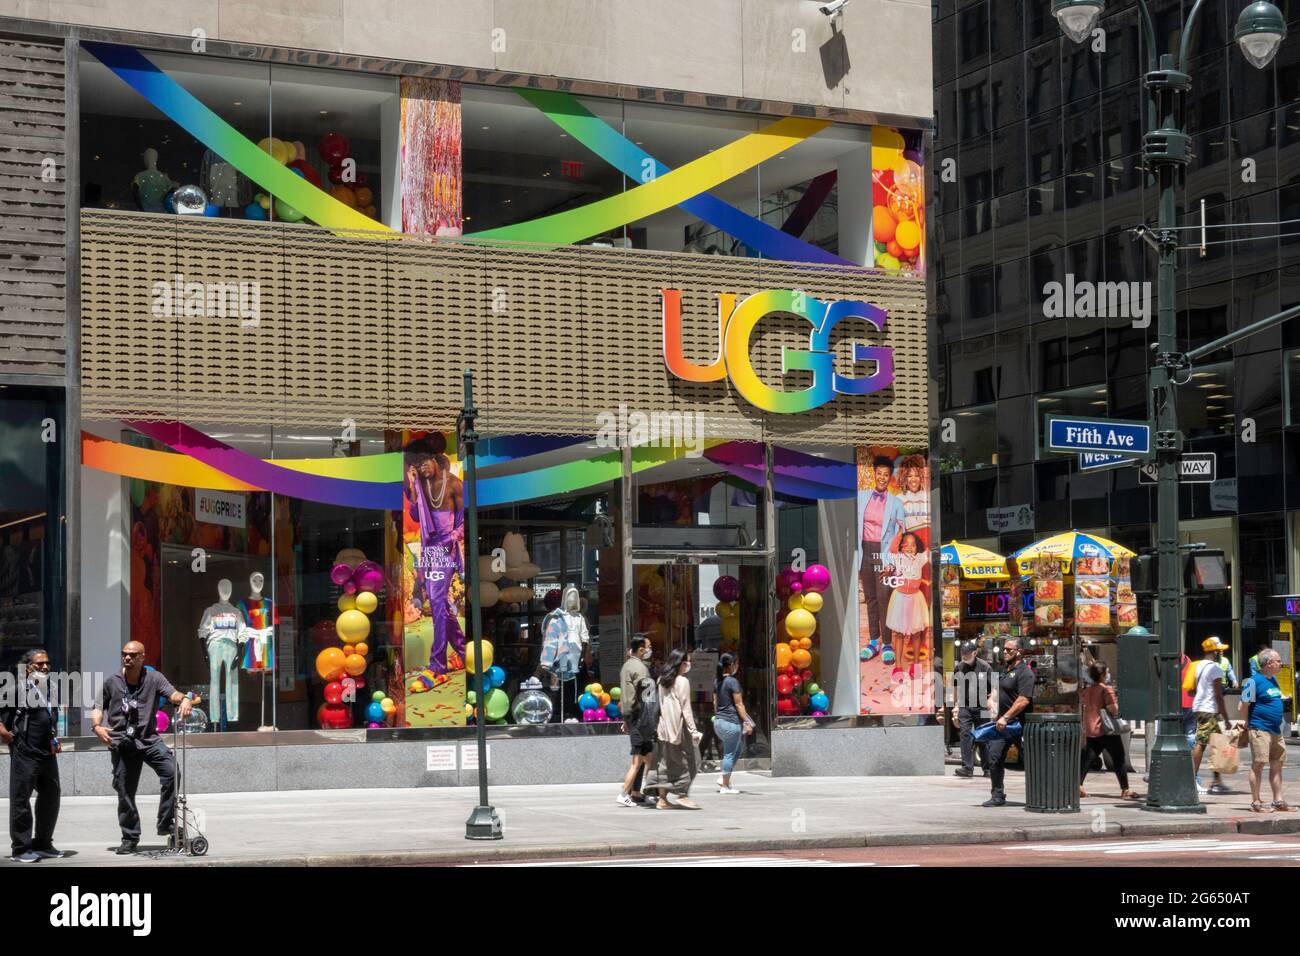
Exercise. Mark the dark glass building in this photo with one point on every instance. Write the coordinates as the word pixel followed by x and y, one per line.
pixel 1037 181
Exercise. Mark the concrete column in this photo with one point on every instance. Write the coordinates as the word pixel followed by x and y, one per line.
pixel 105 574
pixel 853 189
pixel 839 614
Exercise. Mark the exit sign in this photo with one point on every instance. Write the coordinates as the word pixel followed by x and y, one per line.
pixel 571 168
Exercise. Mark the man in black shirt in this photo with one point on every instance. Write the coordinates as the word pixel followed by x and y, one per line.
pixel 28 729
pixel 129 703
pixel 972 683
pixel 1011 701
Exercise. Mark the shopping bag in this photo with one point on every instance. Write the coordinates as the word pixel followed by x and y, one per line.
pixel 1223 753
pixel 986 732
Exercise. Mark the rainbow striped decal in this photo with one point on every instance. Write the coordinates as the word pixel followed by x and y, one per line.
pixel 591 131
pixel 687 187
pixel 794 473
pixel 181 107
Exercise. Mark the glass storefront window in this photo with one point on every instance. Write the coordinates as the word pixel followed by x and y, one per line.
pixel 976 444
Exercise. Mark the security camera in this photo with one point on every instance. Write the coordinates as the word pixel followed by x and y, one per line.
pixel 833 8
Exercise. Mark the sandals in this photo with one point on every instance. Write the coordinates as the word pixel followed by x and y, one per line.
pixel 1130 795
pixel 1281 806
pixel 1082 792
pixel 1258 807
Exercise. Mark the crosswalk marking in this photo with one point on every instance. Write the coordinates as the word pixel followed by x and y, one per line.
pixel 690 861
pixel 1172 845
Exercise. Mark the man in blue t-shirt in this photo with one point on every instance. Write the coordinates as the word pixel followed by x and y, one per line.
pixel 1262 704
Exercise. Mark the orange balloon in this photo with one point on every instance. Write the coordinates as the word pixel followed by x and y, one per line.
pixel 348 650
pixel 363 649
pixel 345 195
pixel 801 659
pixel 883 224
pixel 782 656
pixel 363 195
pixel 329 663
pixel 355 665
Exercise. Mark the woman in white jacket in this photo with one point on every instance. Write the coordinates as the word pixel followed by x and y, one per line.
pixel 675 762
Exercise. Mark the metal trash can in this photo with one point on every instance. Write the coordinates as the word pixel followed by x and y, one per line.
pixel 1052 746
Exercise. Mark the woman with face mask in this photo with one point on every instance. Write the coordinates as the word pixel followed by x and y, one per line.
pixel 729 712
pixel 675 761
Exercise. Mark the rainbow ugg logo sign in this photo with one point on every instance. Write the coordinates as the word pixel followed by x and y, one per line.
pixel 736 326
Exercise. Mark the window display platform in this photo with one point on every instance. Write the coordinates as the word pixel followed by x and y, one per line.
pixel 839 748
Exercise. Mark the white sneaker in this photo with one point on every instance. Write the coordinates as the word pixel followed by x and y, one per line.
pixel 625 801
pixel 728 790
pixel 1219 788
pixel 1201 788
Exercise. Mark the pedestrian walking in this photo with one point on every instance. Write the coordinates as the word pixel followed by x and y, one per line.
pixel 972 681
pixel 1262 705
pixel 675 761
pixel 731 720
pixel 1101 733
pixel 1208 707
pixel 129 704
pixel 1011 700
pixel 632 673
pixel 29 730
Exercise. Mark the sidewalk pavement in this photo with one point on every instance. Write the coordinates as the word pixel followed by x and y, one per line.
pixel 427 826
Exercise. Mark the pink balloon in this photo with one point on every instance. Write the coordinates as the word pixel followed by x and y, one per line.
pixel 369 578
pixel 816 578
pixel 162 721
pixel 350 586
pixel 796 587
pixel 340 574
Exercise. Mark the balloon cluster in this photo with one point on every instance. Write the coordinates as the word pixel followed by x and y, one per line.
pixel 798 660
pixel 335 149
pixel 519 567
pixel 381 707
pixel 897 200
pixel 294 156
pixel 598 705
pixel 495 702
pixel 341 667
pixel 726 589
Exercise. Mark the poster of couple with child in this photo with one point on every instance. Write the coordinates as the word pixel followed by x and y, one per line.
pixel 895 631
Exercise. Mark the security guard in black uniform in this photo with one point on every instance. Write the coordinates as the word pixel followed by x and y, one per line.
pixel 27 726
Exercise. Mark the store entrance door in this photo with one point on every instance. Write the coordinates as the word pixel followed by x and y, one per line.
pixel 674 605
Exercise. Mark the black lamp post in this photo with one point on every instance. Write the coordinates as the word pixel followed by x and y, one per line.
pixel 483 822
pixel 1165 151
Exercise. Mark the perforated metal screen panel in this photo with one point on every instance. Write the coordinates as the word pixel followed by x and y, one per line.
pixel 379 331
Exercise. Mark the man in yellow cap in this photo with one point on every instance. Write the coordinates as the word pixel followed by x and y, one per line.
pixel 1208 707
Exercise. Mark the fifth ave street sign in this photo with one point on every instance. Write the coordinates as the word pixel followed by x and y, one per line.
pixel 1194 467
pixel 1112 436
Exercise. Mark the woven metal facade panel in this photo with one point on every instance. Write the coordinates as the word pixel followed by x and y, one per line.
pixel 33 337
pixel 379 331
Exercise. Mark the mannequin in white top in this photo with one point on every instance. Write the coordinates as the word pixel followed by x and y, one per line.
pixel 221 631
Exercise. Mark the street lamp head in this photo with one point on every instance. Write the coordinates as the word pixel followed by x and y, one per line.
pixel 1259 32
pixel 1077 17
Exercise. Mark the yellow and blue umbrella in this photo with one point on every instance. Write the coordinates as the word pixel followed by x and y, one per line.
pixel 977 564
pixel 1068 545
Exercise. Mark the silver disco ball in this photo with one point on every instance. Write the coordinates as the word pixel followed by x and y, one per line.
pixel 532 707
pixel 190 201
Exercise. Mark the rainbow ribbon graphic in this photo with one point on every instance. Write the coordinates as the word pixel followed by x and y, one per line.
pixel 591 131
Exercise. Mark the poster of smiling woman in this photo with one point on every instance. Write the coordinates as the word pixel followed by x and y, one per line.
pixel 895 632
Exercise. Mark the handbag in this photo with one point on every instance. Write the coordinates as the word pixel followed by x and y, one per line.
pixel 1113 725
pixel 986 732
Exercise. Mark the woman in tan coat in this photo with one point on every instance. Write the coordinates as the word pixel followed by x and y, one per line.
pixel 675 762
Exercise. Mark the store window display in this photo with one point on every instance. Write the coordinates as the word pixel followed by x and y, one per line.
pixel 222 634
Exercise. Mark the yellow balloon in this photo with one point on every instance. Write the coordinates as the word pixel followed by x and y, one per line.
pixel 347 602
pixel 388 705
pixel 352 626
pixel 471 664
pixel 812 601
pixel 366 602
pixel 267 145
pixel 730 628
pixel 596 690
pixel 800 623
pixel 727 610
pixel 795 602
pixel 284 152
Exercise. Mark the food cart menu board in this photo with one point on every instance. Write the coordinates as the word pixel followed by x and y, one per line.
pixel 1092 592
pixel 1049 593
pixel 1126 612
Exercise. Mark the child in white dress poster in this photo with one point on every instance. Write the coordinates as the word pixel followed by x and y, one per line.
pixel 908 616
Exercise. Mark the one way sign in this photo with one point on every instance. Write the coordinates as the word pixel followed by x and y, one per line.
pixel 1195 467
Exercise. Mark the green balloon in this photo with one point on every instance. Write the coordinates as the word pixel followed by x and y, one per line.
pixel 470 698
pixel 377 696
pixel 615 693
pixel 497 703
pixel 286 212
pixel 813 689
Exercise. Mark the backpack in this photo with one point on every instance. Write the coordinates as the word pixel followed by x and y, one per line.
pixel 647 716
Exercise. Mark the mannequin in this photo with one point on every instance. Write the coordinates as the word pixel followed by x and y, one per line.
pixel 224 186
pixel 260 620
pixel 151 185
pixel 221 631
pixel 565 640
